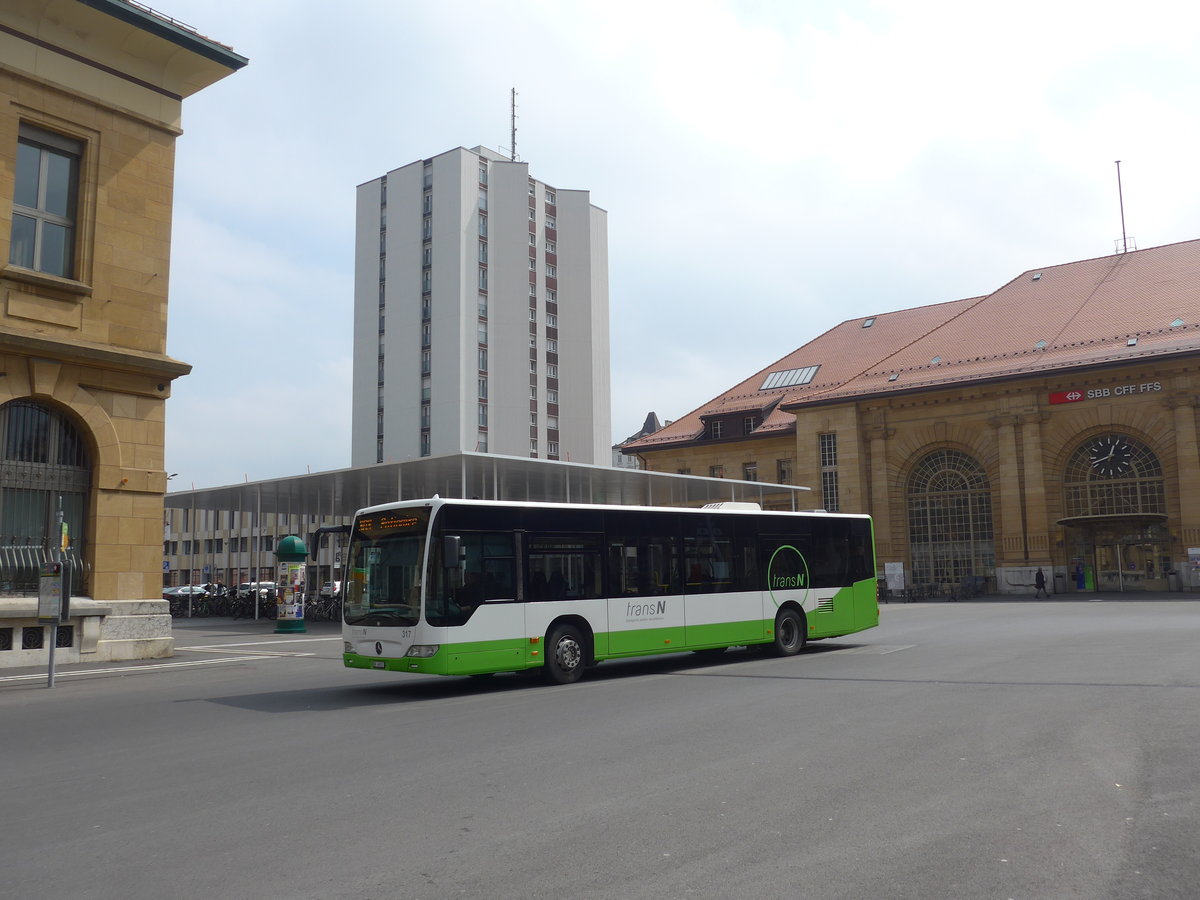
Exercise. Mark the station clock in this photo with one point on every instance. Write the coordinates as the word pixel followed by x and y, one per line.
pixel 1111 456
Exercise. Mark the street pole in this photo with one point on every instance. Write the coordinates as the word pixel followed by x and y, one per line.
pixel 50 590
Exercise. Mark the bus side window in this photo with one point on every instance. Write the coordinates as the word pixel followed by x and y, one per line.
pixel 709 559
pixel 643 554
pixel 861 566
pixel 486 573
pixel 642 566
pixel 563 566
pixel 497 566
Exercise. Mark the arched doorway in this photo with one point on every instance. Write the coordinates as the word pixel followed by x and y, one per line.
pixel 1116 516
pixel 44 467
pixel 949 504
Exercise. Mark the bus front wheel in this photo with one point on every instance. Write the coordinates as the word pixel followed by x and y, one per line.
pixel 789 633
pixel 565 655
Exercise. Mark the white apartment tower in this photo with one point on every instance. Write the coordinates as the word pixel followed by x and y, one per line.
pixel 480 314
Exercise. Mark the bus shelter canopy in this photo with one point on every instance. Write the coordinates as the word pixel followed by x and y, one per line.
pixel 341 492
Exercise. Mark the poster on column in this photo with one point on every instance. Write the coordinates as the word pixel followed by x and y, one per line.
pixel 291 590
pixel 893 572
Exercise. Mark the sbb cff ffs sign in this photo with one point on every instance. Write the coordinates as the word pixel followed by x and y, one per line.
pixel 1066 396
pixel 1121 390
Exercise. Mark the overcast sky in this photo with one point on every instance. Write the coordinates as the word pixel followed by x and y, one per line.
pixel 769 169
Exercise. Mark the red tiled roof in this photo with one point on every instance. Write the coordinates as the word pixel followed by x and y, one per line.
pixel 1085 313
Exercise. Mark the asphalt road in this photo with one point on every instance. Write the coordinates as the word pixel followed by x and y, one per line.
pixel 986 750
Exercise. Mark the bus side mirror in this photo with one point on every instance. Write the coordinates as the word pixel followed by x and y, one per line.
pixel 452 551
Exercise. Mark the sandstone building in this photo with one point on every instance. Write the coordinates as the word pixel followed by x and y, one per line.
pixel 1050 424
pixel 91 95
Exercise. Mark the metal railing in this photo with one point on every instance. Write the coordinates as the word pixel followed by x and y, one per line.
pixel 21 562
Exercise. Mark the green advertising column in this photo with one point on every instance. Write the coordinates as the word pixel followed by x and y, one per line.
pixel 291 554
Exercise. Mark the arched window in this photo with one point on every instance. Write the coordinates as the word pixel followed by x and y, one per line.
pixel 949 519
pixel 1113 474
pixel 44 467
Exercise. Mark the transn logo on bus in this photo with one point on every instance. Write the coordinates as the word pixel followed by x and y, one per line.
pixel 644 611
pixel 787 570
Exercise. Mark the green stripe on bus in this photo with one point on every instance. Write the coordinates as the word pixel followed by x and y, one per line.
pixel 850 610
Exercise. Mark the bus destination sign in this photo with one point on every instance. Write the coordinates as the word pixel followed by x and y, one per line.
pixel 1075 395
pixel 385 522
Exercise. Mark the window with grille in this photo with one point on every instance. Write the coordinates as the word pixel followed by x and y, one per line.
pixel 829 491
pixel 828 448
pixel 783 471
pixel 43 463
pixel 827 451
pixel 949 519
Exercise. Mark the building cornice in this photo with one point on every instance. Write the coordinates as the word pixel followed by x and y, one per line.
pixel 99 355
pixel 163 26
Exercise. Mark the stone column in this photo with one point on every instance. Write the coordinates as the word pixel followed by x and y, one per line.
pixel 1012 534
pixel 1187 458
pixel 1037 525
pixel 880 501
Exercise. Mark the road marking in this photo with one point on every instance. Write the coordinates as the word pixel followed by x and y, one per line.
pixel 259 643
pixel 248 654
pixel 129 670
pixel 873 649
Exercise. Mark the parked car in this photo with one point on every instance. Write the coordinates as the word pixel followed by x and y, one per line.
pixel 331 589
pixel 184 591
pixel 248 588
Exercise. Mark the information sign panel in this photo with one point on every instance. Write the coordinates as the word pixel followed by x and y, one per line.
pixel 50 583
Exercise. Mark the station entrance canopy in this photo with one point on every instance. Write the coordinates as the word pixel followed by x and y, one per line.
pixel 342 492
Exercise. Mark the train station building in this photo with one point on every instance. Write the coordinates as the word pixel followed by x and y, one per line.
pixel 1050 424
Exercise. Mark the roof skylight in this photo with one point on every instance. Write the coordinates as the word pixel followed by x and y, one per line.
pixel 789 378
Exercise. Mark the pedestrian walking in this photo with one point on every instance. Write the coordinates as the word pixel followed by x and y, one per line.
pixel 1039 581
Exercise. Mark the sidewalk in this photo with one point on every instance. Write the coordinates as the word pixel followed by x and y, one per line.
pixel 1070 597
pixel 213 631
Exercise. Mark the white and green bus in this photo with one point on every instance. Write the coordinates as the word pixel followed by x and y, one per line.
pixel 470 587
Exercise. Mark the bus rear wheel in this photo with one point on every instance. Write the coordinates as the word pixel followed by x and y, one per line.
pixel 565 655
pixel 789 633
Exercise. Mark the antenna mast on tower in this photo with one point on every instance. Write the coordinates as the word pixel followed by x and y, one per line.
pixel 1123 246
pixel 513 124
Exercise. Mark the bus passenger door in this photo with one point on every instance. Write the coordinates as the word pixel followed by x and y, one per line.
pixel 645 602
pixel 724 600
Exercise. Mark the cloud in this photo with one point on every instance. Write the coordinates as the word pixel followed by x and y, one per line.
pixel 769 170
pixel 267 332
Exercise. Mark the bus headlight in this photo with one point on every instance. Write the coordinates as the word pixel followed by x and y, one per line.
pixel 347 646
pixel 422 651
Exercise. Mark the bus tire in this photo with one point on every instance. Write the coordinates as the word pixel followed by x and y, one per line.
pixel 789 633
pixel 566 655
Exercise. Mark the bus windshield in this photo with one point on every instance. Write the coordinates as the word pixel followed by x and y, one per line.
pixel 383 585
